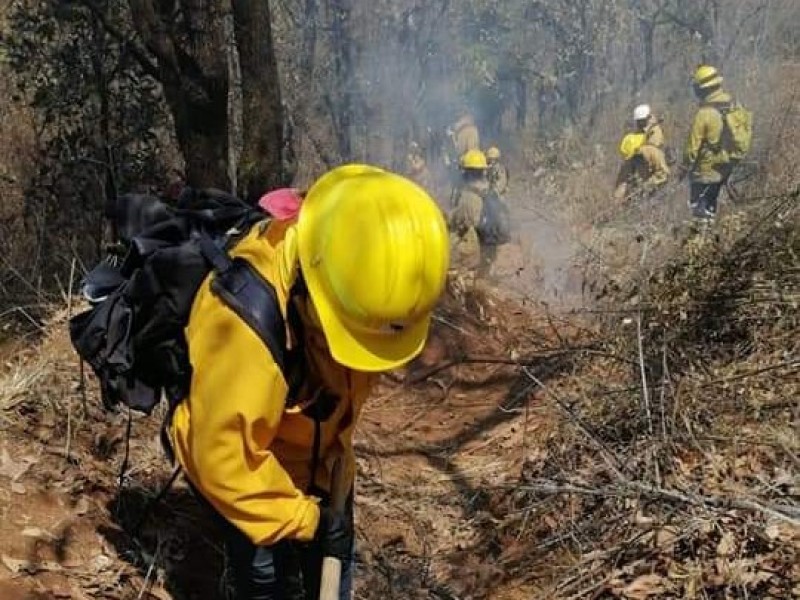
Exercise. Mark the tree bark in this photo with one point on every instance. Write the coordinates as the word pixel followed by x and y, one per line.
pixel 261 165
pixel 187 39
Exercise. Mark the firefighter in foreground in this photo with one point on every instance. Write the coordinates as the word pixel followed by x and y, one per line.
pixel 644 167
pixel 497 173
pixel 719 138
pixel 359 272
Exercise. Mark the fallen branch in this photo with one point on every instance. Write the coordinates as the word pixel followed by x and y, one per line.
pixel 517 362
pixel 612 460
pixel 636 489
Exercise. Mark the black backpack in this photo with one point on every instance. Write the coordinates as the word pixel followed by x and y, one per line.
pixel 133 336
pixel 494 227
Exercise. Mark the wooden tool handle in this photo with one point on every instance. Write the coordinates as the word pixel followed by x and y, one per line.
pixel 331 578
pixel 332 567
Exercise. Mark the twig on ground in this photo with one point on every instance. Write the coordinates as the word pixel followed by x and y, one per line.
pixel 452 325
pixel 146 583
pixel 637 489
pixel 612 461
pixel 69 289
pixel 643 373
pixel 518 362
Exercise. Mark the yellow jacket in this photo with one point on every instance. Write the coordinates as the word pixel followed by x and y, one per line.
pixel 654 134
pixel 646 170
pixel 247 452
pixel 703 154
pixel 657 168
pixel 464 221
pixel 465 136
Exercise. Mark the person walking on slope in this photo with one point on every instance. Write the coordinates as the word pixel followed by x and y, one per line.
pixel 497 173
pixel 477 232
pixel 357 274
pixel 719 138
pixel 644 166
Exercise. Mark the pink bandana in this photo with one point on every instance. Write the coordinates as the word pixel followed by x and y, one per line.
pixel 283 203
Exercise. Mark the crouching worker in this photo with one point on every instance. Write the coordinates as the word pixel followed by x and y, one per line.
pixel 643 170
pixel 357 275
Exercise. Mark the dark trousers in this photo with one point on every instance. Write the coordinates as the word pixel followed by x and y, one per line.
pixel 704 197
pixel 288 570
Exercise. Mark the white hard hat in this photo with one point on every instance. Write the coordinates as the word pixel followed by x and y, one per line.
pixel 641 112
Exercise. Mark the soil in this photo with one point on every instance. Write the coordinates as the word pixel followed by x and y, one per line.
pixel 69 531
pixel 443 448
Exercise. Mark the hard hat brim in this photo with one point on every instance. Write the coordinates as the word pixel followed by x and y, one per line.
pixel 710 83
pixel 366 351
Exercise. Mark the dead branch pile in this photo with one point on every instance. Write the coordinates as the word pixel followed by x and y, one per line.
pixel 676 475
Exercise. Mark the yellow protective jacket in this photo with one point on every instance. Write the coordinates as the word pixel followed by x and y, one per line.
pixel 464 222
pixel 647 170
pixel 465 136
pixel 654 134
pixel 247 452
pixel 657 168
pixel 703 154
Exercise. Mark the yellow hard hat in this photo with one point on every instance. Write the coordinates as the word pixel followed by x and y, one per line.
pixel 474 159
pixel 493 153
pixel 707 76
pixel 374 251
pixel 631 144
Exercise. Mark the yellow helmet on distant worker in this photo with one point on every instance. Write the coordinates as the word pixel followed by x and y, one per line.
pixel 631 144
pixel 374 251
pixel 706 77
pixel 493 153
pixel 474 159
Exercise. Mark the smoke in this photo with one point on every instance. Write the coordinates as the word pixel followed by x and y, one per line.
pixel 551 83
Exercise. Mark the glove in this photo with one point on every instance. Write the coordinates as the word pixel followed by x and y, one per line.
pixel 335 534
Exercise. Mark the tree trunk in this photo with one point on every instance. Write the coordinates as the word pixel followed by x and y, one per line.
pixel 648 29
pixel 192 66
pixel 261 166
pixel 341 105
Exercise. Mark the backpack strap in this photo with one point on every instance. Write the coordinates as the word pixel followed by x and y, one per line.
pixel 721 107
pixel 254 300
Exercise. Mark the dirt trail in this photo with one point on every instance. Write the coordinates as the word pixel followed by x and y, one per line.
pixel 424 514
pixel 433 460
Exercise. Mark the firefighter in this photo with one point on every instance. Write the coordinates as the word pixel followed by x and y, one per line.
pixel 709 157
pixel 497 173
pixel 465 217
pixel 644 121
pixel 644 167
pixel 358 273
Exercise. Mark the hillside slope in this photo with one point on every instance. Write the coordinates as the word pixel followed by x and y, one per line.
pixel 519 457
